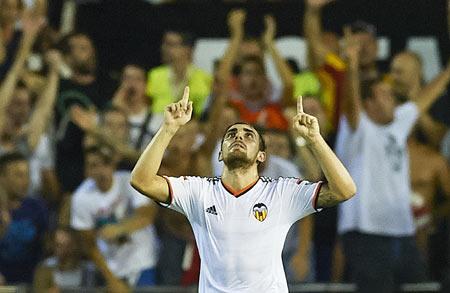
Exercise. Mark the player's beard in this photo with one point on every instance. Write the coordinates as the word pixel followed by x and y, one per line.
pixel 238 160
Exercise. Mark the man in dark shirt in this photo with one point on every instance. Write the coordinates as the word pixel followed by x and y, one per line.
pixel 86 88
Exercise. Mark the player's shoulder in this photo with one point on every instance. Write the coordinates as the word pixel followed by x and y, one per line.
pixel 267 179
pixel 195 179
pixel 280 180
pixel 213 180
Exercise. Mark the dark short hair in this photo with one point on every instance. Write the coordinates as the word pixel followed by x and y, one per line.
pixel 63 44
pixel 187 38
pixel 251 59
pixel 361 26
pixel 262 143
pixel 103 151
pixel 366 87
pixel 136 65
pixel 10 158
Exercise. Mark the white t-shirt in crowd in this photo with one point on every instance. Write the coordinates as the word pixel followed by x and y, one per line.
pixel 92 208
pixel 377 159
pixel 66 278
pixel 240 234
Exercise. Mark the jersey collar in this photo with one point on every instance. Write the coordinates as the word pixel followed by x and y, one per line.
pixel 238 193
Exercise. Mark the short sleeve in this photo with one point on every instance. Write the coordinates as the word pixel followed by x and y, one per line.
pixel 184 192
pixel 80 216
pixel 299 198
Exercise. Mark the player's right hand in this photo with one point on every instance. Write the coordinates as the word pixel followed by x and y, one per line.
pixel 305 125
pixel 179 113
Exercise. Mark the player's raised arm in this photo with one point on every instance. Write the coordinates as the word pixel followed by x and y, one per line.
pixel 144 176
pixel 340 185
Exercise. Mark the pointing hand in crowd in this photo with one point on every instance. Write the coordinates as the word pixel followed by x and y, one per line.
pixel 32 23
pixel 270 30
pixel 236 20
pixel 54 59
pixel 85 119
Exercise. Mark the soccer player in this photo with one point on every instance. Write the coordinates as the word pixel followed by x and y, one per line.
pixel 240 220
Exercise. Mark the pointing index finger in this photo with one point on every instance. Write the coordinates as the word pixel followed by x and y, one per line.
pixel 185 99
pixel 300 105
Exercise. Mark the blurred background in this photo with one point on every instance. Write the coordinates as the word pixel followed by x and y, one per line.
pixel 83 87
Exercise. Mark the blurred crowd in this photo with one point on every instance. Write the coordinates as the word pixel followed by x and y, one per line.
pixel 70 135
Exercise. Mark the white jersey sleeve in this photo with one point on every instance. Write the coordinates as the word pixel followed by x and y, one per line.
pixel 299 197
pixel 184 194
pixel 81 217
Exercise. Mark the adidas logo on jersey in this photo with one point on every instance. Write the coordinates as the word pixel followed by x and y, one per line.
pixel 212 210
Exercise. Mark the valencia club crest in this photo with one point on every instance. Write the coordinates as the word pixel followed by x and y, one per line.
pixel 260 211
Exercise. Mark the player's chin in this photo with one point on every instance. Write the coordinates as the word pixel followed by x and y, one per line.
pixel 237 159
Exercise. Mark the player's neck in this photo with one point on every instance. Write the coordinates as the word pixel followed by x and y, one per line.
pixel 240 178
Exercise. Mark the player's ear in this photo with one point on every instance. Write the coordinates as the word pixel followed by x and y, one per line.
pixel 220 156
pixel 261 157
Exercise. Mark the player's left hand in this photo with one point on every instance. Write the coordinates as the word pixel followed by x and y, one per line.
pixel 179 113
pixel 305 125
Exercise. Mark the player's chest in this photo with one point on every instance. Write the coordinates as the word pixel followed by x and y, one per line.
pixel 228 214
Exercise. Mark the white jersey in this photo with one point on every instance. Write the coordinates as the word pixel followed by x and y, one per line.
pixel 377 159
pixel 92 209
pixel 240 234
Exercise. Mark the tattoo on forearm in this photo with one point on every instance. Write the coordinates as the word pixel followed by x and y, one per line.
pixel 327 198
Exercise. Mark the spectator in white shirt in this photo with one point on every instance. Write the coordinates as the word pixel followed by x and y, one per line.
pixel 114 222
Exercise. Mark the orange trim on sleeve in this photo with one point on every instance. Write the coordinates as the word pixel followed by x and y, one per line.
pixel 170 190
